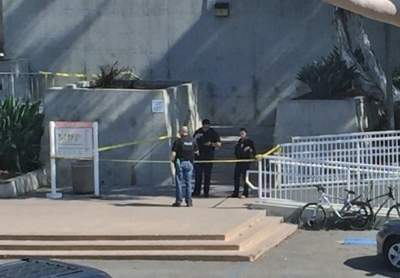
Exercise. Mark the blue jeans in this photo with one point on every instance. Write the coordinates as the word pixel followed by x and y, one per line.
pixel 183 180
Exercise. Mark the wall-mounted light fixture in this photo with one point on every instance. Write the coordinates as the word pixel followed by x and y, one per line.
pixel 222 9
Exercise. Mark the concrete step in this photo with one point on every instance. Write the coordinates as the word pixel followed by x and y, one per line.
pixel 252 218
pixel 154 237
pixel 235 240
pixel 247 225
pixel 129 255
pixel 229 130
pixel 250 253
pixel 120 245
pixel 245 243
pixel 272 239
pixel 257 232
pixel 37 242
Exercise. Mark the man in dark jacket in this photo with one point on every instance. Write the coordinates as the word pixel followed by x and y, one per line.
pixel 244 149
pixel 183 151
pixel 207 140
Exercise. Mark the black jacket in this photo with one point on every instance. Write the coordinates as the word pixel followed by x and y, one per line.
pixel 245 149
pixel 202 137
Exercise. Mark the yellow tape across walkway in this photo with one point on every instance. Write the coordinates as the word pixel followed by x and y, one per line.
pixel 72 74
pixel 63 74
pixel 258 157
pixel 136 142
pixel 165 137
pixel 275 149
pixel 167 161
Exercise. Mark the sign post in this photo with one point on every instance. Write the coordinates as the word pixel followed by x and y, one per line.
pixel 73 140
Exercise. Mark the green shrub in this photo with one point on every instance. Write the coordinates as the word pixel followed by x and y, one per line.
pixel 328 76
pixel 110 75
pixel 21 130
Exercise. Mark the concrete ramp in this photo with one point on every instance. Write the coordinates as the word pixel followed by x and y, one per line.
pixel 103 230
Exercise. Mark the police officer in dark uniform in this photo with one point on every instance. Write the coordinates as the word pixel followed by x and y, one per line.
pixel 207 140
pixel 244 149
pixel 183 151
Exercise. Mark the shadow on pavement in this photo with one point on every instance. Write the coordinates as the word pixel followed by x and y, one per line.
pixel 374 265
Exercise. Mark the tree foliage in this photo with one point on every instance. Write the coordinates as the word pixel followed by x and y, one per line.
pixel 328 76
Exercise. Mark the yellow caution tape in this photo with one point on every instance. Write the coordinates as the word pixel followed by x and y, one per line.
pixel 137 142
pixel 258 157
pixel 166 161
pixel 79 75
pixel 268 153
pixel 224 161
pixel 63 74
pixel 136 161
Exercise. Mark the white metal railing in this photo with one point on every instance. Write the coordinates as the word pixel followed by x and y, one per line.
pixel 382 150
pixel 283 178
pixel 30 85
pixel 365 162
pixel 346 136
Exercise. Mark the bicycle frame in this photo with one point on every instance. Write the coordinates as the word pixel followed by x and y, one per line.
pixel 325 199
pixel 383 204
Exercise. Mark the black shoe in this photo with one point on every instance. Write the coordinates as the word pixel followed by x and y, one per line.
pixel 195 194
pixel 206 195
pixel 176 204
pixel 189 204
pixel 235 195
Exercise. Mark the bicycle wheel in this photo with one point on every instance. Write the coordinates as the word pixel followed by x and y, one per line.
pixel 312 217
pixel 393 212
pixel 360 215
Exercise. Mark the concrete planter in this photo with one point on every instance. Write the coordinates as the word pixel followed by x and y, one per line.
pixel 308 117
pixel 21 185
pixel 124 115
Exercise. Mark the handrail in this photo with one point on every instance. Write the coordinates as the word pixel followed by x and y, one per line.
pixel 268 153
pixel 259 159
pixel 298 139
pixel 248 181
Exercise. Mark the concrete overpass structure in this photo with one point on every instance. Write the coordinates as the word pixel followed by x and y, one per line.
pixel 386 11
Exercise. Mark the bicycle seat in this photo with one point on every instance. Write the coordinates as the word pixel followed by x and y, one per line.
pixel 320 188
pixel 351 192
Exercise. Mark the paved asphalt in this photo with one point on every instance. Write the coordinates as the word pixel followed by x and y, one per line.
pixel 306 254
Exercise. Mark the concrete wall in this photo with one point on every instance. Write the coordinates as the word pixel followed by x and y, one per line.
pixel 244 64
pixel 318 117
pixel 123 116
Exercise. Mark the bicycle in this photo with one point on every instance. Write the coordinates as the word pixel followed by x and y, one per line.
pixel 394 210
pixel 357 213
